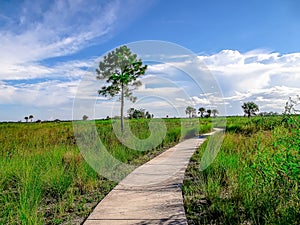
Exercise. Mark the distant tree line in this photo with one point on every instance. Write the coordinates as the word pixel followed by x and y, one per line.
pixel 249 108
pixel 268 114
pixel 138 113
pixel 30 117
pixel 192 112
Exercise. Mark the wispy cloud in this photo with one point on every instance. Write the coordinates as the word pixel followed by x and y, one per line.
pixel 31 32
pixel 49 93
pixel 43 30
pixel 34 31
pixel 253 70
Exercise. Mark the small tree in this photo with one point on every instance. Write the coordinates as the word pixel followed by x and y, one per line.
pixel 31 117
pixel 190 111
pixel 201 111
pixel 148 115
pixel 130 113
pixel 215 112
pixel 26 118
pixel 121 70
pixel 85 117
pixel 136 113
pixel 208 112
pixel 250 108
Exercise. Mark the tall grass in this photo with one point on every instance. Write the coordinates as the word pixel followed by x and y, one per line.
pixel 45 180
pixel 254 179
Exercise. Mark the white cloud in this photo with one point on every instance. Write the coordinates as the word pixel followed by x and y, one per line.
pixel 40 30
pixel 31 32
pixel 258 75
pixel 49 93
pixel 252 65
pixel 200 101
pixel 266 78
pixel 33 70
pixel 60 28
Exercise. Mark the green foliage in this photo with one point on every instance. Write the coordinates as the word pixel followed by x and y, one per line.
pixel 121 70
pixel 45 180
pixel 254 179
pixel 138 113
pixel 247 126
pixel 208 112
pixel 250 108
pixel 190 111
pixel 201 111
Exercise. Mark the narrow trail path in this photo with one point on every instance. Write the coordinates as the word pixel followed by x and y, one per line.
pixel 151 194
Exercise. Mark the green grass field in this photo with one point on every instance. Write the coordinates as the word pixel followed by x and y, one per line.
pixel 254 179
pixel 44 178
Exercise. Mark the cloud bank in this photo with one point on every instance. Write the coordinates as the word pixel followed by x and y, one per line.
pixel 40 74
pixel 265 78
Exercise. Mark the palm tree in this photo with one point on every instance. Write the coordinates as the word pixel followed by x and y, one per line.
pixel 208 112
pixel 201 111
pixel 215 112
pixel 190 111
pixel 31 117
pixel 250 108
pixel 148 115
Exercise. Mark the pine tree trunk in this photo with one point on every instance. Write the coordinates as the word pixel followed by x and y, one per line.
pixel 122 108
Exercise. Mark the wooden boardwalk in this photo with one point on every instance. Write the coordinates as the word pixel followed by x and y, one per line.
pixel 151 194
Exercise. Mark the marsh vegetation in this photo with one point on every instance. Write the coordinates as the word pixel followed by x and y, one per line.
pixel 44 178
pixel 255 177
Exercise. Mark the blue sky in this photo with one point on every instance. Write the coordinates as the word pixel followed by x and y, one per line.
pixel 47 47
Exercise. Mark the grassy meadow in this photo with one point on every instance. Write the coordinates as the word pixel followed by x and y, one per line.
pixel 255 178
pixel 44 178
